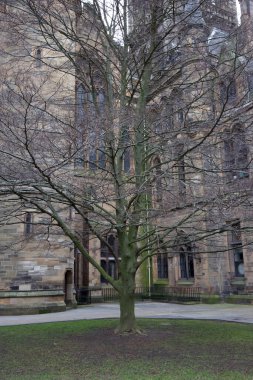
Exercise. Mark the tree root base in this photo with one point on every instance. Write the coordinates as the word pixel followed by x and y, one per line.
pixel 132 331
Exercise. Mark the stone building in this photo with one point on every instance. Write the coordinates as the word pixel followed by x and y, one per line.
pixel 36 270
pixel 221 263
pixel 39 268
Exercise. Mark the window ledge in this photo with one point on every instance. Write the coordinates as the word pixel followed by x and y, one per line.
pixel 185 282
pixel 238 281
pixel 161 281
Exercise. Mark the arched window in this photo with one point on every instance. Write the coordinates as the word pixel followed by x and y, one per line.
pixel 162 265
pixel 28 223
pixel 186 262
pixel 236 154
pixel 186 252
pixel 235 240
pixel 109 256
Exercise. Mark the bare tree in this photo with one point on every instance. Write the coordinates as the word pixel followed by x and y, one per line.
pixel 117 111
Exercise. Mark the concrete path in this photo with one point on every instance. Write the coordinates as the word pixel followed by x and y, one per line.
pixel 225 312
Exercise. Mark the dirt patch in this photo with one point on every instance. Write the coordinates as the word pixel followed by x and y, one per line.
pixel 166 343
pixel 73 351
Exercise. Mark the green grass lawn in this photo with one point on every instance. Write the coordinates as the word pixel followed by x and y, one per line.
pixel 170 349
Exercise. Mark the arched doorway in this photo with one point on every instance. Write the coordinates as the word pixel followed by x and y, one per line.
pixel 68 287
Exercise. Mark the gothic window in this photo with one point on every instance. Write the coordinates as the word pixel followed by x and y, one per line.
pixel 3 6
pixel 178 107
pixel 250 85
pixel 92 150
pixel 186 262
pixel 126 160
pixel 162 265
pixel 181 170
pixel 169 119
pixel 85 111
pixel 223 91
pixel 228 90
pixel 236 246
pixel 231 89
pixel 38 57
pixel 126 147
pixel 101 157
pixel 248 7
pixel 81 97
pixel 158 179
pixel 28 223
pixel 97 155
pixel 236 154
pixel 180 116
pixel 109 254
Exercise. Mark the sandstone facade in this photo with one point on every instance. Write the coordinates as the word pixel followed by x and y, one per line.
pixel 41 270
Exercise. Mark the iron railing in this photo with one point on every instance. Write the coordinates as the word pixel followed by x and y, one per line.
pixel 154 293
pixel 176 294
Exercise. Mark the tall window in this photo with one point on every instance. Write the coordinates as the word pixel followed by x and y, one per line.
pixel 236 245
pixel 236 154
pixel 186 262
pixel 248 7
pixel 223 91
pixel 181 170
pixel 3 6
pixel 250 85
pixel 38 57
pixel 86 115
pixel 97 154
pixel 81 97
pixel 109 254
pixel 228 90
pixel 180 116
pixel 158 179
pixel 127 156
pixel 162 265
pixel 232 90
pixel 28 223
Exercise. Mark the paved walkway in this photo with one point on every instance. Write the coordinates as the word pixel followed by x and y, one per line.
pixel 225 312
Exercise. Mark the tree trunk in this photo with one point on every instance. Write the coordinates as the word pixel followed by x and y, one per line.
pixel 127 322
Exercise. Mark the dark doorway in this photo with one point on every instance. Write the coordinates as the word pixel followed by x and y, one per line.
pixel 68 287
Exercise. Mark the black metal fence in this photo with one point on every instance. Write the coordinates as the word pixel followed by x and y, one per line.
pixel 109 294
pixel 154 293
pixel 176 294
